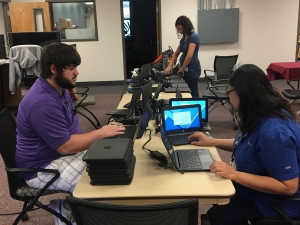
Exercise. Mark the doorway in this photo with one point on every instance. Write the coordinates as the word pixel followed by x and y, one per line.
pixel 141 33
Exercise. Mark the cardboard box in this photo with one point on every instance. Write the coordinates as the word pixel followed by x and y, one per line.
pixel 62 23
pixel 65 23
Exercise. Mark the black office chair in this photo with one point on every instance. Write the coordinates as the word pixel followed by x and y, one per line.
pixel 262 221
pixel 286 221
pixel 222 68
pixel 94 213
pixel 217 94
pixel 81 100
pixel 292 94
pixel 18 188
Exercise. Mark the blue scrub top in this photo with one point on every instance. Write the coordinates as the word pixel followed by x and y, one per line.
pixel 270 149
pixel 194 64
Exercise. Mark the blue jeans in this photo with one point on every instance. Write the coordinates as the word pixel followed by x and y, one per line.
pixel 192 78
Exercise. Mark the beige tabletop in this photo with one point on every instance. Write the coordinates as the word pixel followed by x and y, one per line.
pixel 154 184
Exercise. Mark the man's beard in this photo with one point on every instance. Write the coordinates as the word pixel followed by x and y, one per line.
pixel 61 81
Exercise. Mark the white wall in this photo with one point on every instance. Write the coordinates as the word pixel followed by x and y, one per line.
pixel 268 33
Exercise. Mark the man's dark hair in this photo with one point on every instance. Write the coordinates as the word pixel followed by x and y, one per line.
pixel 186 24
pixel 59 54
pixel 258 98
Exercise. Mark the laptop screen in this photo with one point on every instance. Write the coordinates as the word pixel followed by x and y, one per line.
pixel 203 102
pixel 167 145
pixel 143 122
pixel 177 118
pixel 157 91
pixel 146 93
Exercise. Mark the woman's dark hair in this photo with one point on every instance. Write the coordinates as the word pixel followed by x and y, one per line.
pixel 186 24
pixel 59 54
pixel 258 98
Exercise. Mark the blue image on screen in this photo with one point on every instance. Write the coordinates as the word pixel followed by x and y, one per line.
pixel 179 119
pixel 201 103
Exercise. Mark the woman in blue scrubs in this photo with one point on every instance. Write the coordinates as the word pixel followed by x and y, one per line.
pixel 189 46
pixel 266 151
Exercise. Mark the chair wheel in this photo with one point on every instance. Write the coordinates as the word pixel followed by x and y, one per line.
pixel 25 217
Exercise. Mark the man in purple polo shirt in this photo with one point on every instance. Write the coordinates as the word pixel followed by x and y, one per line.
pixel 48 133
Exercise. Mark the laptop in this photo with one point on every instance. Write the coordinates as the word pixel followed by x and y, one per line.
pixel 143 122
pixel 187 160
pixel 147 93
pixel 179 122
pixel 203 102
pixel 127 112
pixel 137 131
pixel 146 70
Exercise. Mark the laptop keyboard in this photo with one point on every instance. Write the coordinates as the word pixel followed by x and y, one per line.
pixel 189 159
pixel 129 132
pixel 178 137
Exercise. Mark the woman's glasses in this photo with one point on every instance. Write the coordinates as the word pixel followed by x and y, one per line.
pixel 228 92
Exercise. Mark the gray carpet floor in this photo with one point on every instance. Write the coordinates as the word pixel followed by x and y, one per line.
pixel 107 98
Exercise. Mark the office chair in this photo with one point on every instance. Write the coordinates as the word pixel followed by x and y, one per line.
pixel 94 213
pixel 263 221
pixel 286 221
pixel 82 101
pixel 222 68
pixel 18 188
pixel 217 93
pixel 24 63
pixel 292 94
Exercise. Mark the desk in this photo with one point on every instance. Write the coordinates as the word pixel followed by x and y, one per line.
pixel 153 184
pixel 284 70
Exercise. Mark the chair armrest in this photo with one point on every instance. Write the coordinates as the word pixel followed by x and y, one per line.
pixel 55 172
pixel 78 102
pixel 208 76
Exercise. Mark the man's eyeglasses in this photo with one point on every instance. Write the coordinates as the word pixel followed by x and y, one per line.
pixel 228 92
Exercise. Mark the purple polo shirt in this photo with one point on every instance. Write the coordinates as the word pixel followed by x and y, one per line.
pixel 45 121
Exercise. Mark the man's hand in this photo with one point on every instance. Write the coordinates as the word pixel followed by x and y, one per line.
pixel 169 69
pixel 111 130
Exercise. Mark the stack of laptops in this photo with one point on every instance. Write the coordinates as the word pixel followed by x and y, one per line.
pixel 177 87
pixel 110 161
pixel 203 102
pixel 187 160
pixel 179 122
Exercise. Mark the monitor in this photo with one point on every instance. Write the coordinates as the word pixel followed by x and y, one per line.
pixel 33 38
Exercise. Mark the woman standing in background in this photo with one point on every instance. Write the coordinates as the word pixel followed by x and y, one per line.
pixel 189 46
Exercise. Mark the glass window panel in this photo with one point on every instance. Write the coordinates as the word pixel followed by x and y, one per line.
pixel 126 9
pixel 75 20
pixel 127 28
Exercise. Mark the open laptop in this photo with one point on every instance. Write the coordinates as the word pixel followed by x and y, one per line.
pixel 187 160
pixel 203 102
pixel 146 70
pixel 127 112
pixel 179 122
pixel 143 122
pixel 137 131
